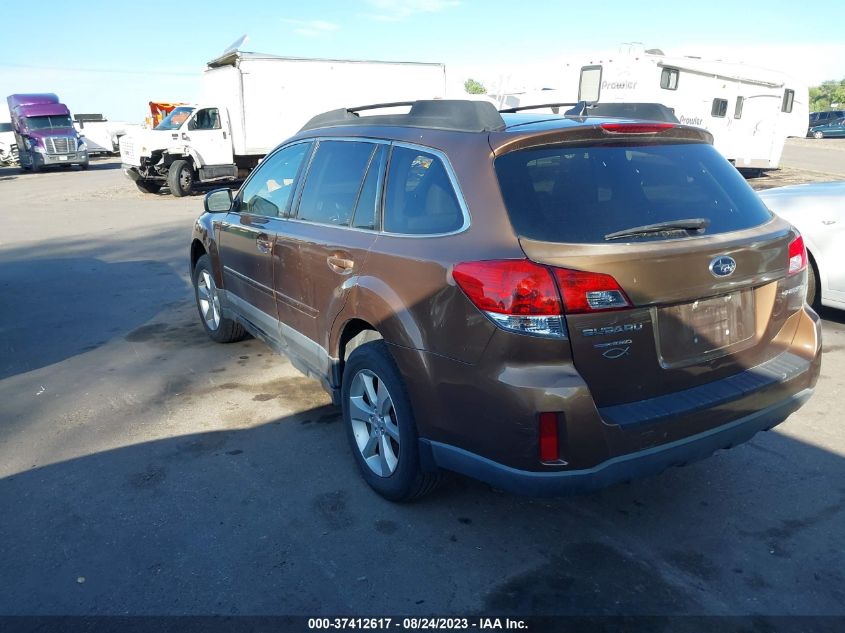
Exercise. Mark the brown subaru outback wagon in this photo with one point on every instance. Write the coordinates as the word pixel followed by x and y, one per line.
pixel 547 303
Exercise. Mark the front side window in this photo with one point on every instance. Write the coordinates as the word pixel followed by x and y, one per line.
pixel 420 198
pixel 720 107
pixel 788 99
pixel 268 191
pixel 206 119
pixel 669 78
pixel 334 181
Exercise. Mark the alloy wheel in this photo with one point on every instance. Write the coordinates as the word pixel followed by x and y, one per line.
pixel 374 423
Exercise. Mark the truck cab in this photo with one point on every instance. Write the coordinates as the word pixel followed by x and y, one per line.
pixel 192 144
pixel 44 132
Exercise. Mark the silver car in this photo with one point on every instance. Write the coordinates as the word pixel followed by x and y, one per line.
pixel 817 210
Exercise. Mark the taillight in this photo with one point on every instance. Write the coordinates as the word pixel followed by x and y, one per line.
pixel 636 128
pixel 797 256
pixel 520 295
pixel 517 294
pixel 589 292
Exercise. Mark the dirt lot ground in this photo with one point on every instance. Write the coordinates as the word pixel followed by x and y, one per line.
pixel 146 470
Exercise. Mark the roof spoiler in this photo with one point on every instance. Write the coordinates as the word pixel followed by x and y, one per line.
pixel 457 115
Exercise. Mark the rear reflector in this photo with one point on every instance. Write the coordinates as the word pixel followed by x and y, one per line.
pixel 797 256
pixel 636 128
pixel 549 451
pixel 589 292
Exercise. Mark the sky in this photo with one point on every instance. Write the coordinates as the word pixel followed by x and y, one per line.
pixel 114 57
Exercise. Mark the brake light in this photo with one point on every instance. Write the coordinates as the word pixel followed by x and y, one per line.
pixel 520 295
pixel 510 286
pixel 517 294
pixel 589 292
pixel 636 128
pixel 797 256
pixel 549 450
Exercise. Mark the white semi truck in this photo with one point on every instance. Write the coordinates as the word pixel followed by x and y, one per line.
pixel 251 102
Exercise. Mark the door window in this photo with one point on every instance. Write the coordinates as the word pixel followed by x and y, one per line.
pixel 334 181
pixel 268 191
pixel 740 101
pixel 420 199
pixel 206 119
pixel 366 211
pixel 788 99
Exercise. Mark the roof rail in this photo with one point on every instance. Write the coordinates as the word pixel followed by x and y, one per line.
pixel 577 110
pixel 459 115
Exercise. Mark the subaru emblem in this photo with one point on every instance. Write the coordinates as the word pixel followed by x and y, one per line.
pixel 723 266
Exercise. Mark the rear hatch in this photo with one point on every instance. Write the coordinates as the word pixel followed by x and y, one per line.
pixel 672 272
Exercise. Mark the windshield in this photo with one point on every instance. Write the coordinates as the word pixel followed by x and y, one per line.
pixel 581 195
pixel 175 119
pixel 48 122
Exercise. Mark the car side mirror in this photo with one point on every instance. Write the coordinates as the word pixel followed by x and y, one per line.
pixel 218 201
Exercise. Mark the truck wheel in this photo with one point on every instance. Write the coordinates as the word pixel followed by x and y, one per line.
pixel 180 178
pixel 148 186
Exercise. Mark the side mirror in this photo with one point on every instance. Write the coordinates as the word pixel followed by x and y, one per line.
pixel 218 201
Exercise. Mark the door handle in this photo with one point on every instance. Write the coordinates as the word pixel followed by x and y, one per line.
pixel 340 265
pixel 263 243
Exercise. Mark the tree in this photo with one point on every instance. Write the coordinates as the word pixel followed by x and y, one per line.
pixel 474 87
pixel 830 94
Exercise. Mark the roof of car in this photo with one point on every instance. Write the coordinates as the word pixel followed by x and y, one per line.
pixel 511 129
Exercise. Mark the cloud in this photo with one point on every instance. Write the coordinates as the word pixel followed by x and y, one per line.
pixel 398 10
pixel 312 28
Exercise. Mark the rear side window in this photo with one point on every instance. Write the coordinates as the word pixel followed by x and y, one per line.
pixel 669 78
pixel 719 108
pixel 580 195
pixel 420 199
pixel 788 100
pixel 333 181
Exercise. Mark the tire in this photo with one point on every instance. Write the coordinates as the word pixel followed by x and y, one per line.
pixel 383 440
pixel 818 134
pixel 218 328
pixel 180 178
pixel 148 186
pixel 813 295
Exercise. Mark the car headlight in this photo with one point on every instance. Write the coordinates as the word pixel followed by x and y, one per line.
pixel 81 146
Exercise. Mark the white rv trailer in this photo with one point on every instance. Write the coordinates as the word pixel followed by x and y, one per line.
pixel 749 110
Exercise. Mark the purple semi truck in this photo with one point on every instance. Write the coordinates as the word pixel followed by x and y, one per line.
pixel 44 132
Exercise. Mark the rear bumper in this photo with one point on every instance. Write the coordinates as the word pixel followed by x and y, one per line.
pixel 642 463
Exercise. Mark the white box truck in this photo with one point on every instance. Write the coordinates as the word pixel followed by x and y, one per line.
pixel 250 103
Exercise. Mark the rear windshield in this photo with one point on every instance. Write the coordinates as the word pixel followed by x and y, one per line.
pixel 580 195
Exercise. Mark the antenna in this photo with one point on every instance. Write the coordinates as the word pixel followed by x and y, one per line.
pixel 243 39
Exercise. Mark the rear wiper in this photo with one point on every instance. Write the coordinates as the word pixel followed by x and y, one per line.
pixel 693 224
